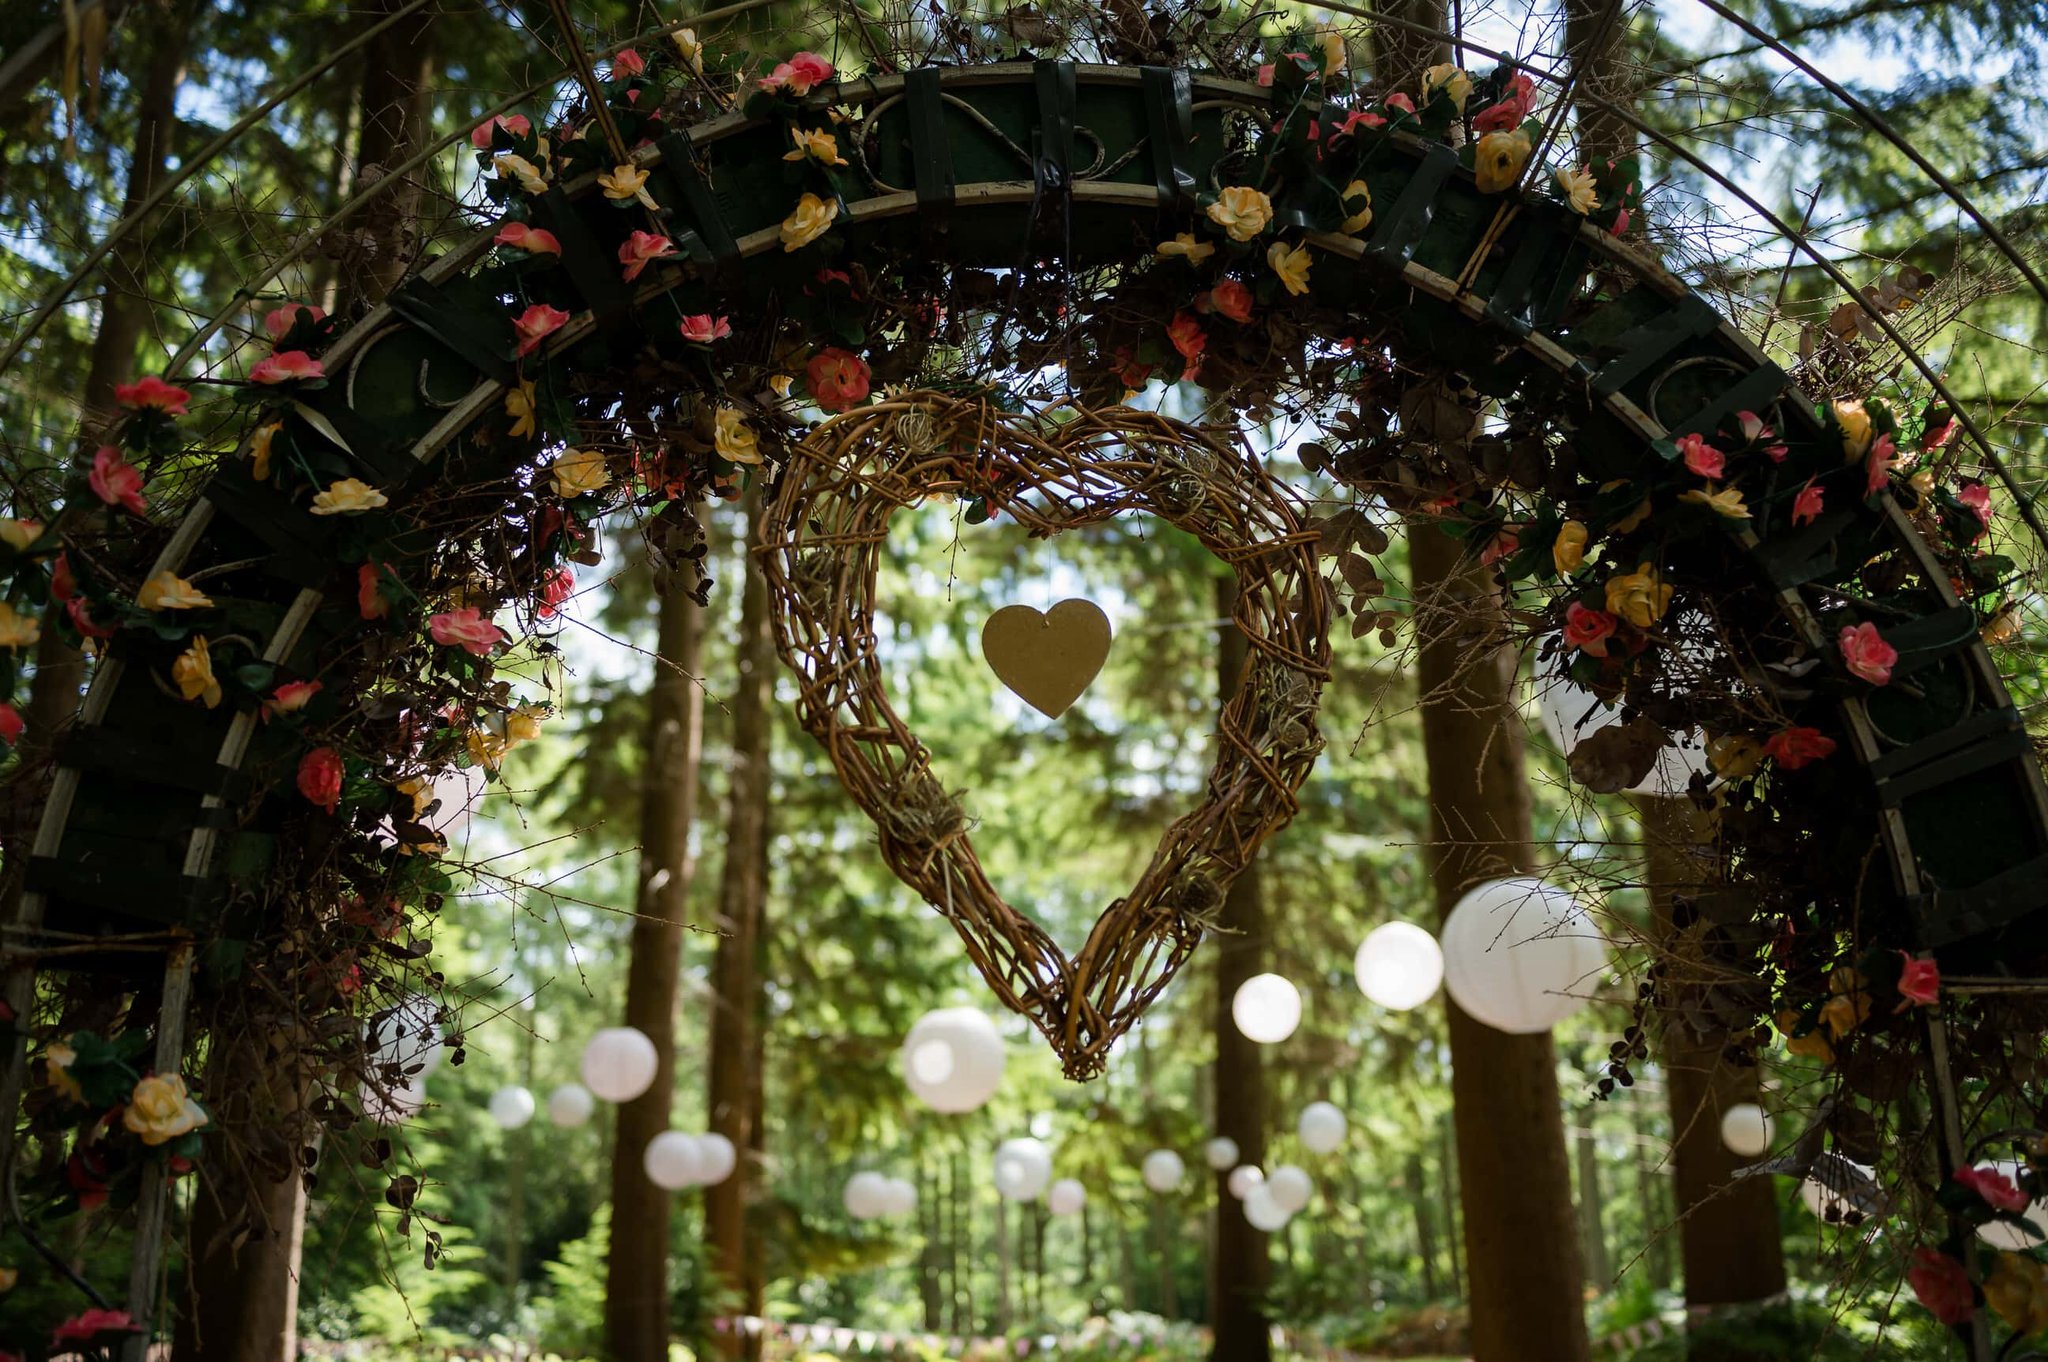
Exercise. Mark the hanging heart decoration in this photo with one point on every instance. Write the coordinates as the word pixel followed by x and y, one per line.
pixel 822 543
pixel 1047 659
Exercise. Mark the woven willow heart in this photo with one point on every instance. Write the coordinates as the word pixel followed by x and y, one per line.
pixel 822 543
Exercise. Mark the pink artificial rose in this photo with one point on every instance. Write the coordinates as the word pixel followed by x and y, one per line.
pixel 627 63
pixel 320 777
pixel 1230 298
pixel 1866 654
pixel 837 378
pixel 642 249
pixel 1621 220
pixel 88 1325
pixel 1806 506
pixel 288 366
pixel 702 328
pixel 466 629
pixel 369 597
pixel 1877 465
pixel 516 124
pixel 12 725
pixel 798 74
pixel 533 240
pixel 1587 629
pixel 1359 118
pixel 536 324
pixel 152 394
pixel 1793 748
pixel 116 481
pixel 290 698
pixel 279 320
pixel 1942 1286
pixel 1503 545
pixel 1701 457
pixel 554 590
pixel 82 620
pixel 1400 101
pixel 1977 497
pixel 62 585
pixel 1919 982
pixel 1998 1190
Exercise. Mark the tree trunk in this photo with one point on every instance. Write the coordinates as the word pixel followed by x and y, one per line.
pixel 1592 1219
pixel 1656 1242
pixel 1425 1241
pixel 1447 1186
pixel 636 1263
pixel 1521 1246
pixel 1240 1266
pixel 1729 1244
pixel 999 1322
pixel 742 894
pixel 397 72
pixel 1596 33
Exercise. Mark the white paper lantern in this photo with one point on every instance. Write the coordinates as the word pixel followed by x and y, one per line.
pixel 1266 1008
pixel 1243 1178
pixel 1827 1204
pixel 1290 1187
pixel 953 1059
pixel 866 1195
pixel 1322 1128
pixel 899 1197
pixel 1570 714
pixel 2003 1234
pixel 389 1107
pixel 1163 1170
pixel 618 1064
pixel 1520 956
pixel 1399 966
pixel 672 1160
pixel 1023 1168
pixel 1747 1129
pixel 1221 1153
pixel 1066 1197
pixel 1264 1210
pixel 570 1105
pixel 718 1158
pixel 511 1107
pixel 409 1036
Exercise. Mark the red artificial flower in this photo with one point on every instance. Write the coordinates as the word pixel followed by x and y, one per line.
pixel 702 328
pixel 289 366
pixel 1189 339
pixel 1507 113
pixel 1230 298
pixel 116 481
pixel 290 698
pixel 1400 101
pixel 466 629
pixel 1701 457
pixel 516 124
pixel 153 394
pixel 12 725
pixel 1359 118
pixel 837 378
pixel 533 240
pixel 1866 654
pixel 370 600
pixel 1937 434
pixel 1998 1190
pixel 85 1174
pixel 1793 748
pixel 88 1325
pixel 62 585
pixel 1919 982
pixel 1977 497
pixel 536 324
pixel 627 63
pixel 555 589
pixel 320 777
pixel 641 249
pixel 1587 629
pixel 1942 1286
pixel 280 320
pixel 82 620
pixel 1807 505
pixel 1503 545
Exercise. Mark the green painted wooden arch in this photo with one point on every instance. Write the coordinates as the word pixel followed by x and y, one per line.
pixel 157 811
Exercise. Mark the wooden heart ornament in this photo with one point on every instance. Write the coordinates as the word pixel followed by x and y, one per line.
pixel 1048 659
pixel 822 540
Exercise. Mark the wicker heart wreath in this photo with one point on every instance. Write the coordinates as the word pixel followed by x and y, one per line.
pixel 822 544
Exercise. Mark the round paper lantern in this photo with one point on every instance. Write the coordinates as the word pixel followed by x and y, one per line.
pixel 1747 1129
pixel 1570 714
pixel 866 1195
pixel 899 1197
pixel 618 1064
pixel 672 1160
pixel 409 1036
pixel 953 1059
pixel 1264 1210
pixel 1221 1153
pixel 511 1107
pixel 1243 1178
pixel 2001 1234
pixel 1266 1008
pixel 1399 966
pixel 718 1157
pixel 1825 1202
pixel 1066 1197
pixel 1290 1187
pixel 389 1107
pixel 570 1105
pixel 1023 1168
pixel 1520 956
pixel 1163 1170
pixel 1322 1127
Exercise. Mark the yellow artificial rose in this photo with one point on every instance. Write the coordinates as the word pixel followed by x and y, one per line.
pixel 1734 757
pixel 515 167
pixel 1726 502
pixel 348 496
pixel 259 450
pixel 486 749
pixel 1568 550
pixel 1498 160
pixel 577 471
pixel 1856 430
pixel 16 629
pixel 779 384
pixel 1849 1008
pixel 1291 264
pixel 1361 219
pixel 1455 80
pixel 1578 189
pixel 624 182
pixel 19 534
pixel 1813 1045
pixel 168 591
pixel 2017 1290
pixel 811 220
pixel 421 792
pixel 522 724
pixel 57 1062
pixel 192 673
pixel 8 1277
pixel 822 147
pixel 734 438
pixel 1186 247
pixel 160 1110
pixel 1241 211
pixel 520 405
pixel 1334 50
pixel 688 48
pixel 1640 597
